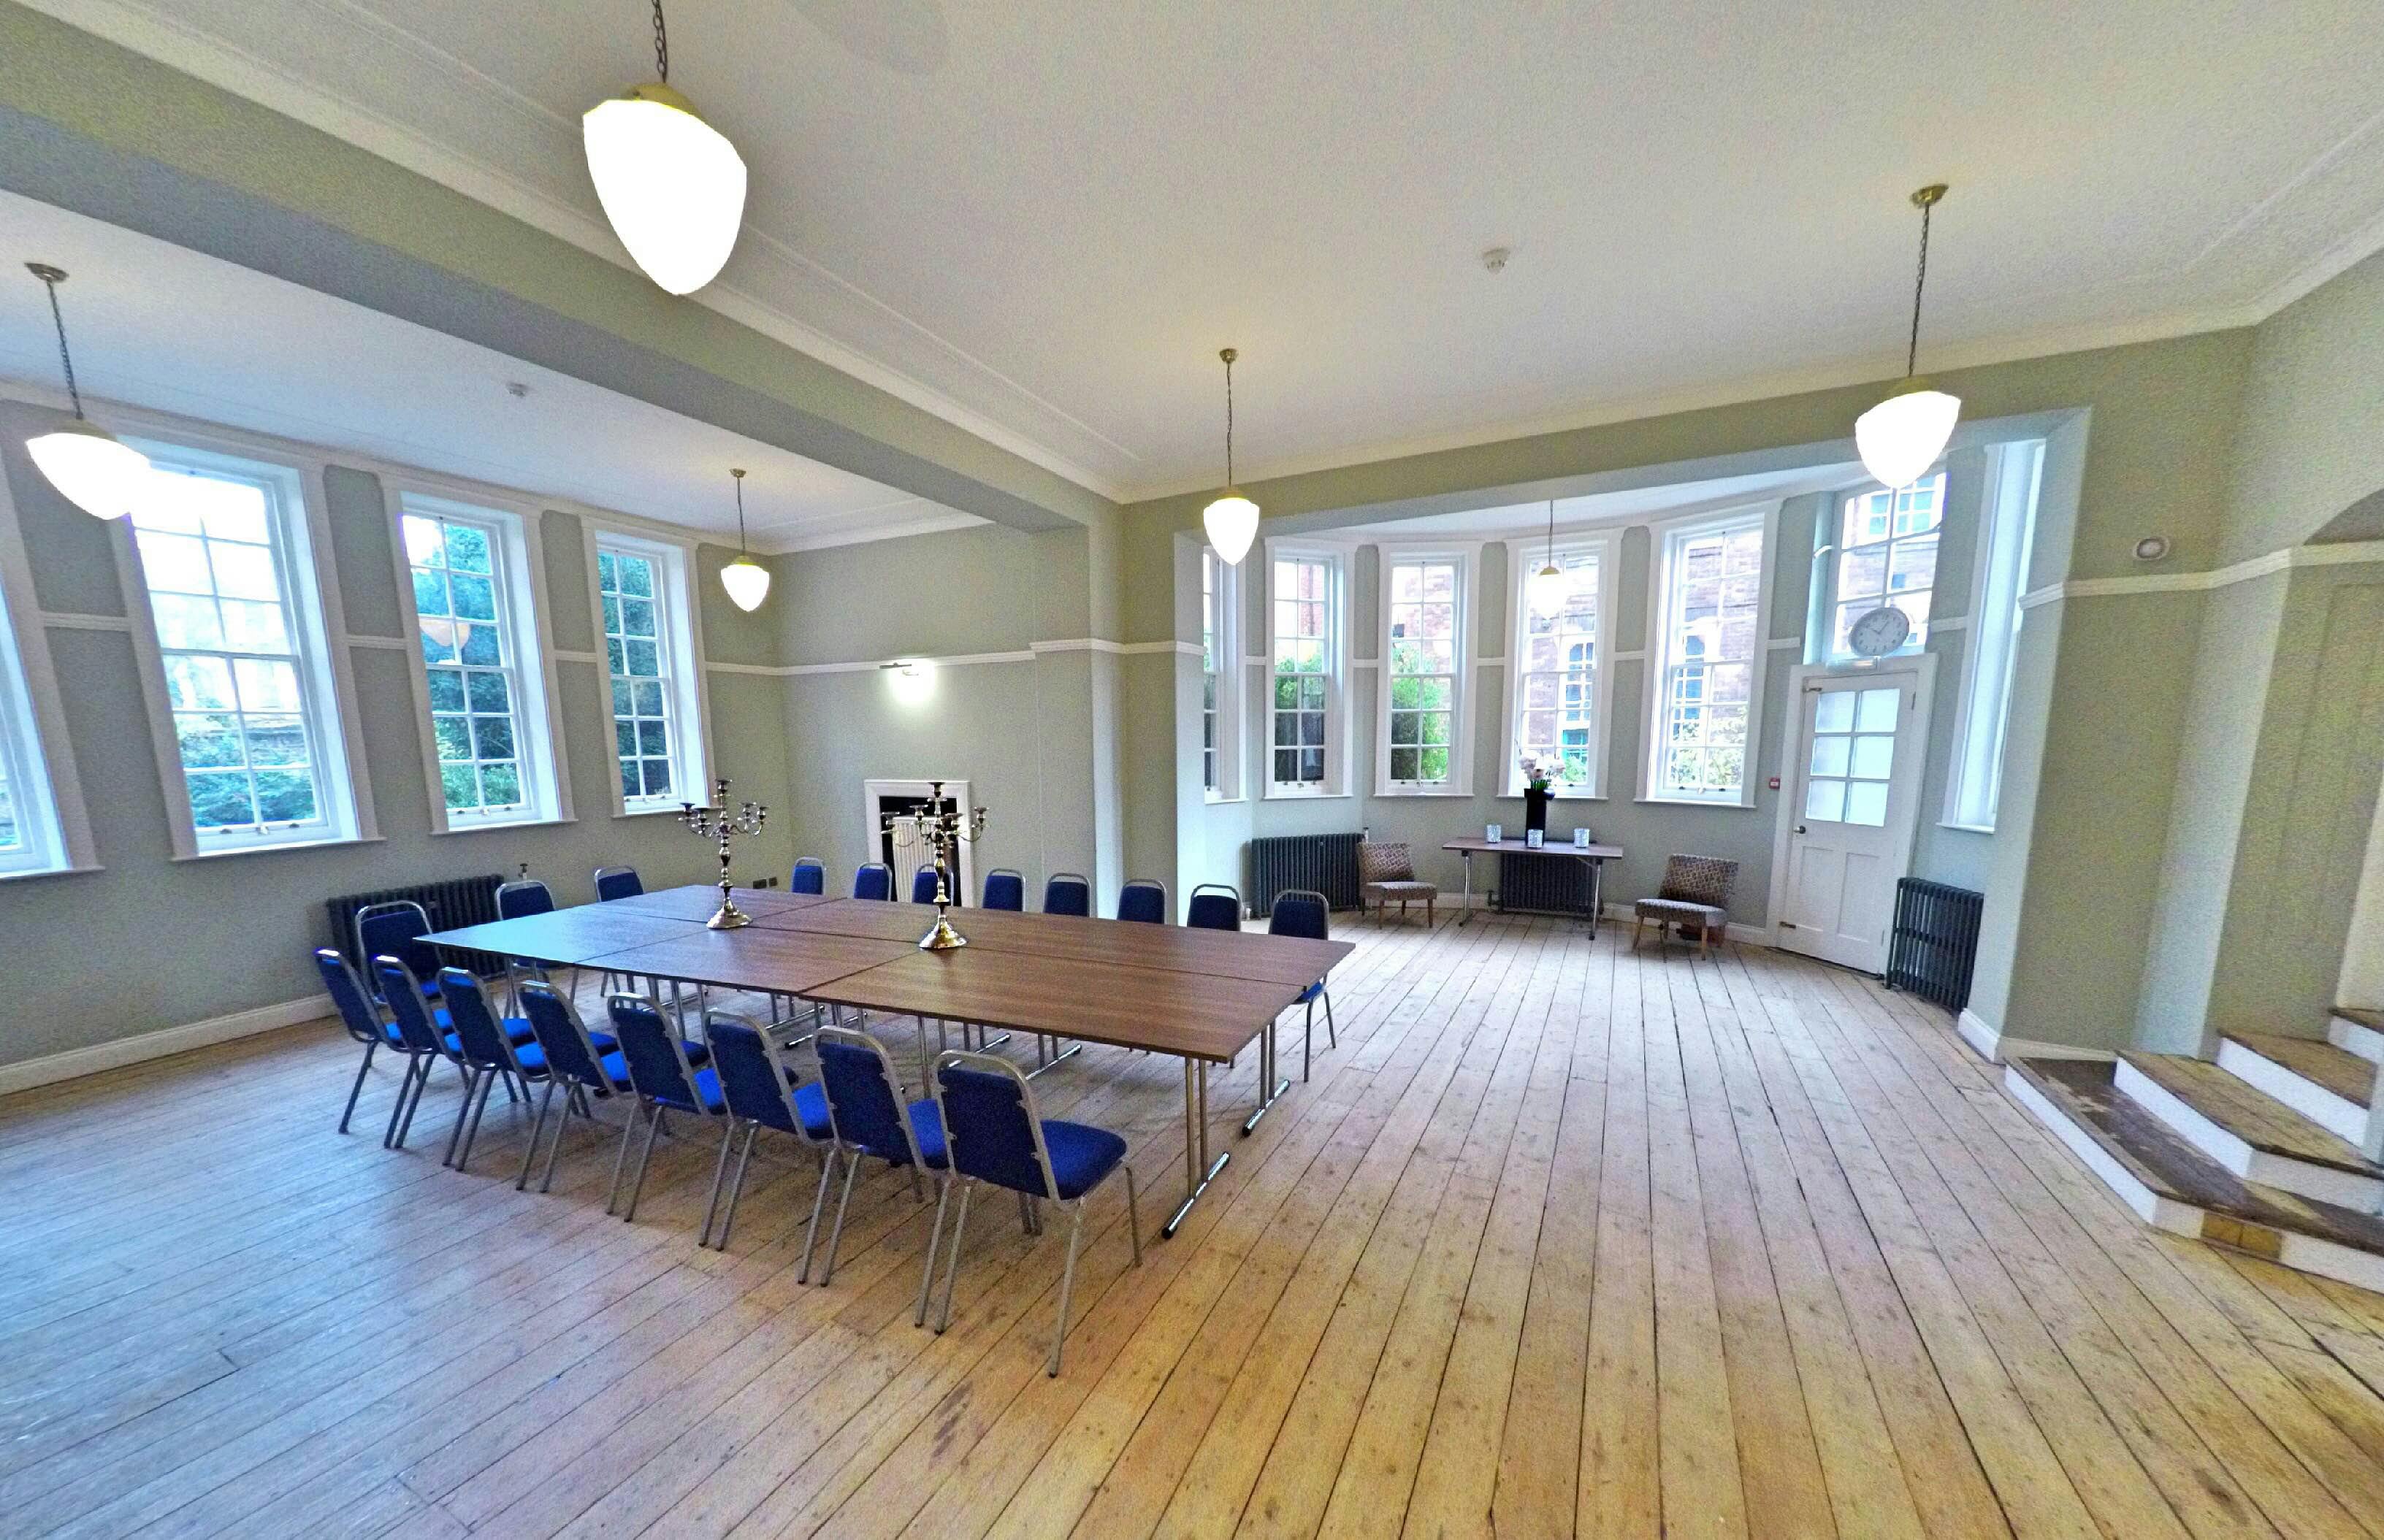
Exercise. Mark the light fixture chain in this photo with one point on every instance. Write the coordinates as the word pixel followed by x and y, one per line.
pixel 1919 281
pixel 1229 419
pixel 661 45
pixel 741 513
pixel 66 359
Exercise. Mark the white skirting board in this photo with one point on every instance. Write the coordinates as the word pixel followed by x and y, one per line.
pixel 48 1070
pixel 1996 1048
pixel 1619 912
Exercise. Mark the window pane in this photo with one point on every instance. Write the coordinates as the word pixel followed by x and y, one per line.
pixel 1874 752
pixel 203 683
pixel 1877 714
pixel 637 649
pixel 1834 711
pixel 1826 801
pixel 1866 804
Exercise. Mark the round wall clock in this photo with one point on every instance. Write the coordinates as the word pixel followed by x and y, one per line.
pixel 1879 632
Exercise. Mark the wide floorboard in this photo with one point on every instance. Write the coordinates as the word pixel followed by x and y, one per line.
pixel 1559 1240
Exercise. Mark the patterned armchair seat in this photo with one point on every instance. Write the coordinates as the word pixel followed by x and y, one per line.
pixel 1696 892
pixel 1386 875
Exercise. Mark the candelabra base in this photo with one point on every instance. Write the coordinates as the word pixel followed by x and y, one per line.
pixel 942 938
pixel 730 917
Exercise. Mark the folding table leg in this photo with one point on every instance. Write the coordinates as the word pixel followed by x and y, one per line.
pixel 1198 1170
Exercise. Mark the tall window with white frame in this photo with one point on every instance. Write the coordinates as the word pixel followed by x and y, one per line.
pixel 1208 672
pixel 483 675
pixel 1558 722
pixel 1887 556
pixel 29 836
pixel 1423 606
pixel 1709 643
pixel 242 648
pixel 2007 526
pixel 1305 648
pixel 639 647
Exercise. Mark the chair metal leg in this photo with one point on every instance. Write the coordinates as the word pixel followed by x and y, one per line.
pixel 480 1110
pixel 1332 1036
pixel 397 1108
pixel 935 1235
pixel 836 1234
pixel 645 1157
pixel 554 1148
pixel 737 1185
pixel 1308 1043
pixel 819 1205
pixel 421 1084
pixel 621 1161
pixel 719 1170
pixel 358 1088
pixel 463 1116
pixel 952 1259
pixel 537 1126
pixel 1067 1287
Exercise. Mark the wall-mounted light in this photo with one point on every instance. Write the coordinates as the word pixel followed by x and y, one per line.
pixel 912 680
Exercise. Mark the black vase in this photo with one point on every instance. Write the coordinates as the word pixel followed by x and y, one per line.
pixel 1536 810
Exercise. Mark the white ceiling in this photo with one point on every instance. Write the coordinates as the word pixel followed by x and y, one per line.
pixel 1041 219
pixel 159 326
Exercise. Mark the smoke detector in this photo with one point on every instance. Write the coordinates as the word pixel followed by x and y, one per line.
pixel 1494 260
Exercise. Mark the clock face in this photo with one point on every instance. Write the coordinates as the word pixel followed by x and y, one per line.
pixel 1880 632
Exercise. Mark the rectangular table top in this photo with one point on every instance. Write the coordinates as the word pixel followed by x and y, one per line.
pixel 783 961
pixel 1189 1015
pixel 1472 845
pixel 700 901
pixel 571 937
pixel 1177 949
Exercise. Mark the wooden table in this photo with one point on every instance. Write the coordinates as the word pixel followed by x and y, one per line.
pixel 1597 855
pixel 1198 995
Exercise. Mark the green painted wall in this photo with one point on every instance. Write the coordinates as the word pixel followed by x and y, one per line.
pixel 2312 439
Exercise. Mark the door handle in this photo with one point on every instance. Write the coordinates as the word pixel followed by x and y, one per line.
pixel 1800 829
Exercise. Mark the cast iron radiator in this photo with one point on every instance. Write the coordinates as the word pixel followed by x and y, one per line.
pixel 1935 943
pixel 461 901
pixel 1543 884
pixel 1327 862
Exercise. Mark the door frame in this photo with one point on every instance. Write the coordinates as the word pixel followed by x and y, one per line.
pixel 1795 753
pixel 955 790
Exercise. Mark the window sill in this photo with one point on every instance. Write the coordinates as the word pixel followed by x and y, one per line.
pixel 285 845
pixel 648 812
pixel 1556 796
pixel 1422 792
pixel 1717 805
pixel 1965 828
pixel 1212 801
pixel 32 872
pixel 492 825
pixel 1282 794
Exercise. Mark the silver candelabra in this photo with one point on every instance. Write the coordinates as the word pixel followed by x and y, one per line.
pixel 718 822
pixel 943 828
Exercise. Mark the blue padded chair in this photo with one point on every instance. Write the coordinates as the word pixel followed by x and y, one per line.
pixel 517 900
pixel 1067 893
pixel 923 884
pixel 1305 912
pixel 425 1038
pixel 1213 906
pixel 1005 888
pixel 358 1014
pixel 992 1135
pixel 489 1054
pixel 867 1115
pixel 395 929
pixel 665 1077
pixel 1143 902
pixel 761 1091
pixel 809 875
pixel 874 880
pixel 617 882
pixel 589 1064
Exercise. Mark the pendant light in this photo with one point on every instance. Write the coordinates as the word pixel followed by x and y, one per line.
pixel 1902 436
pixel 1232 520
pixel 746 580
pixel 1544 591
pixel 90 468
pixel 673 186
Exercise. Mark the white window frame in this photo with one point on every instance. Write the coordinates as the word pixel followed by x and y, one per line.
pixel 1666 537
pixel 2007 538
pixel 692 757
pixel 44 782
pixel 1222 600
pixel 1523 558
pixel 1336 560
pixel 546 781
pixel 1840 550
pixel 300 505
pixel 1467 558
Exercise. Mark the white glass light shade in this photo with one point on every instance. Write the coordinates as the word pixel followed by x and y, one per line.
pixel 1902 436
pixel 92 468
pixel 1545 590
pixel 748 583
pixel 1232 522
pixel 673 186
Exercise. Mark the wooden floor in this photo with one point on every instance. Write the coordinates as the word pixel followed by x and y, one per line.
pixel 1560 1239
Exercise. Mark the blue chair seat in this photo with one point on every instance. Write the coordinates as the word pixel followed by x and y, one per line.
pixel 615 1068
pixel 926 1127
pixel 1081 1155
pixel 811 1105
pixel 1311 992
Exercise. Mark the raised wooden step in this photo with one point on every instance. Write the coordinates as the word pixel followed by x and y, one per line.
pixel 2254 1135
pixel 2173 1186
pixel 2328 1085
pixel 2358 1030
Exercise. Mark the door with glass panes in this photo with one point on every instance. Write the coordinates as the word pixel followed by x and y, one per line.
pixel 1861 739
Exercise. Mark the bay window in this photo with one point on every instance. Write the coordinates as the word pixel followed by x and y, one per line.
pixel 1424 744
pixel 1706 657
pixel 1305 704
pixel 1559 685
